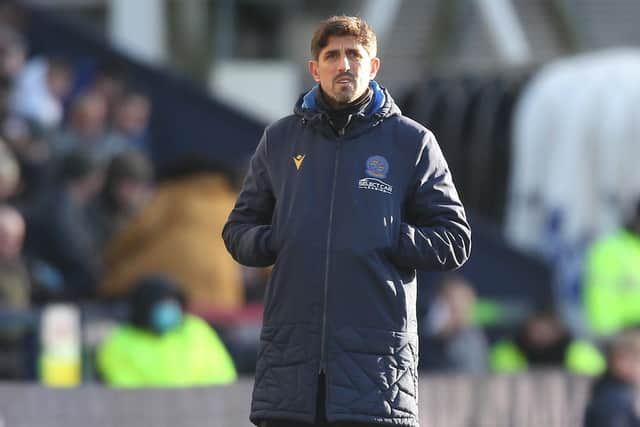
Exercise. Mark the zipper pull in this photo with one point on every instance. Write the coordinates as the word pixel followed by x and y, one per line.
pixel 341 131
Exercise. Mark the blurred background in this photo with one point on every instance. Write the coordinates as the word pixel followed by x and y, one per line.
pixel 125 129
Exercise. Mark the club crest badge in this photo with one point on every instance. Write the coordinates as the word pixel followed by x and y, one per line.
pixel 377 167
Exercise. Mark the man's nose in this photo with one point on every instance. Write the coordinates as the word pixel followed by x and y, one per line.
pixel 344 64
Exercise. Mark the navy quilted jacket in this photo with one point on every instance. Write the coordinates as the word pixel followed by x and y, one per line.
pixel 347 217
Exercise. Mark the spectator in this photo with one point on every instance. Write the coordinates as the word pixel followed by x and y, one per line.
pixel 60 241
pixel 110 80
pixel 542 341
pixel 175 234
pixel 454 343
pixel 39 91
pixel 613 397
pixel 9 173
pixel 130 121
pixel 161 345
pixel 87 130
pixel 612 280
pixel 13 54
pixel 15 293
pixel 19 130
pixel 32 154
pixel 15 283
pixel 13 15
pixel 126 189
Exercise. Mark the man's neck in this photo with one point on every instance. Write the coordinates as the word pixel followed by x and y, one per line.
pixel 340 114
pixel 332 103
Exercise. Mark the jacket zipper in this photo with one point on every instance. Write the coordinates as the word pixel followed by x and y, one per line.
pixel 323 361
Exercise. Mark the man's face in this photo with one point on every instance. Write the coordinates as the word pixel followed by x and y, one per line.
pixel 344 69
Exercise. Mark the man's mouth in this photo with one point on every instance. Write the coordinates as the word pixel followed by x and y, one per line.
pixel 344 80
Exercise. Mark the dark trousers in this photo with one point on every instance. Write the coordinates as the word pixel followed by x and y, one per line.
pixel 321 416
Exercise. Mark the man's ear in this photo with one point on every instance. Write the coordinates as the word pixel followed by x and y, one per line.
pixel 375 66
pixel 313 69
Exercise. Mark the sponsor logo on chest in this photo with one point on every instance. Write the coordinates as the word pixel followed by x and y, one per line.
pixel 376 169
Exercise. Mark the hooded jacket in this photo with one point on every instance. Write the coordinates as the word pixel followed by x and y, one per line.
pixel 347 217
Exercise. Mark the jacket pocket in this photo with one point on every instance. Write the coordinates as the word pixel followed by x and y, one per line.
pixel 405 273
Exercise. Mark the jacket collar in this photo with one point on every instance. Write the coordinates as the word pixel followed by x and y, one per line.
pixel 377 102
pixel 382 106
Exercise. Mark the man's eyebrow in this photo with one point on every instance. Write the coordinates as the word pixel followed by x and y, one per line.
pixel 347 50
pixel 331 51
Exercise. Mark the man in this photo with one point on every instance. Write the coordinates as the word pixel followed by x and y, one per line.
pixel 60 243
pixel 127 188
pixel 542 341
pixel 347 198
pixel 613 400
pixel 454 342
pixel 161 345
pixel 15 283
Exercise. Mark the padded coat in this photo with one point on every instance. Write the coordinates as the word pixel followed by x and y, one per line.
pixel 347 217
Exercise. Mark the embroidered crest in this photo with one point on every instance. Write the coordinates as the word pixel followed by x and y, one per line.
pixel 377 167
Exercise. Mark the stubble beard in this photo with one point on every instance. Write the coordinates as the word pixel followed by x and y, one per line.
pixel 343 96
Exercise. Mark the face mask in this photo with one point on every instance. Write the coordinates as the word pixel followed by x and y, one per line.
pixel 166 315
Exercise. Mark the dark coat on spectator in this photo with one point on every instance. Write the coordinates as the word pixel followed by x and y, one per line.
pixel 612 404
pixel 61 246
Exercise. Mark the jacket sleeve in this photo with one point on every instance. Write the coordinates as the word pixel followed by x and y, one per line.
pixel 247 233
pixel 435 234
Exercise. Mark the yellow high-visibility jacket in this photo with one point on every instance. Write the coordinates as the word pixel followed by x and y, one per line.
pixel 189 355
pixel 581 357
pixel 612 283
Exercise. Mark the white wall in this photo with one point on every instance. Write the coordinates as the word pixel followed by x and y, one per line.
pixel 267 90
pixel 139 28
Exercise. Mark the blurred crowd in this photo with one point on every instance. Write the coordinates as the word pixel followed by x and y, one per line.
pixel 453 341
pixel 74 168
pixel 84 220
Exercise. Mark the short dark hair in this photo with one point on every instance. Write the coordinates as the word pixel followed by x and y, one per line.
pixel 148 290
pixel 128 164
pixel 344 26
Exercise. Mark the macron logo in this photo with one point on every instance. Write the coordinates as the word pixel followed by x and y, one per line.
pixel 298 160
